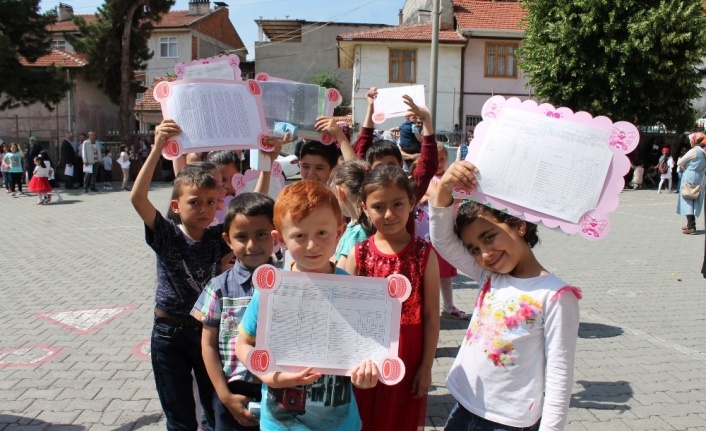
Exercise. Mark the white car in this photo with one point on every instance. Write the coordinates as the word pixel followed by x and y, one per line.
pixel 290 165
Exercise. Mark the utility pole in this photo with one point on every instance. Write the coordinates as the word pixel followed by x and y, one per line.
pixel 434 60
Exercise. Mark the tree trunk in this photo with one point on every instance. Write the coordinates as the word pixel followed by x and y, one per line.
pixel 125 74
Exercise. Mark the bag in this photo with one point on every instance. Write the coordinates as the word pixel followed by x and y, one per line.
pixel 662 167
pixel 690 191
pixel 69 171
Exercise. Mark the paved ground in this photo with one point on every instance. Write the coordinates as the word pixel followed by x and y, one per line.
pixel 641 361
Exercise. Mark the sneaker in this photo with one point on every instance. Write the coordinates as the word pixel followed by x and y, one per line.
pixel 688 231
pixel 48 199
pixel 14 194
pixel 454 313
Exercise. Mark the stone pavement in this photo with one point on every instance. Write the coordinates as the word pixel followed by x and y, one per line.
pixel 77 289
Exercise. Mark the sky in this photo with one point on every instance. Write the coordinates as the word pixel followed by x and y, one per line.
pixel 243 13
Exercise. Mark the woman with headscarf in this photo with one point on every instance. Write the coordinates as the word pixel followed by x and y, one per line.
pixel 693 164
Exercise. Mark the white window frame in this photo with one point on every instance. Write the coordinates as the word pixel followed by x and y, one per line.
pixel 59 44
pixel 168 43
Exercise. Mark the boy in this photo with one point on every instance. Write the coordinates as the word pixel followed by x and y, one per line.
pixel 107 171
pixel 307 222
pixel 188 256
pixel 316 161
pixel 248 231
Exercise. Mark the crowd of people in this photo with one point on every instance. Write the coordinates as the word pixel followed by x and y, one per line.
pixel 355 211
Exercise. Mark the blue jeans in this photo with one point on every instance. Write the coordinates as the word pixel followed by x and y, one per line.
pixel 176 351
pixel 461 419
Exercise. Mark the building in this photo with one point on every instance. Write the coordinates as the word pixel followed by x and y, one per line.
pixel 181 36
pixel 84 108
pixel 399 56
pixel 299 49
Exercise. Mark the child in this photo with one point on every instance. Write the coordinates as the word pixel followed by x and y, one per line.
pixel 307 222
pixel 665 166
pixel 347 186
pixel 516 363
pixel 446 271
pixel 189 255
pixel 316 161
pixel 638 174
pixel 107 171
pixel 52 180
pixel 248 231
pixel 387 196
pixel 13 160
pixel 39 183
pixel 388 153
pixel 124 162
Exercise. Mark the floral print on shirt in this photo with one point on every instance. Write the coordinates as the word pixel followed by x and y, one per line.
pixel 495 328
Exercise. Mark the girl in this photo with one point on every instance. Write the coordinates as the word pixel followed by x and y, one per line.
pixel 387 197
pixel 665 167
pixel 13 159
pixel 52 181
pixel 4 168
pixel 446 271
pixel 124 162
pixel 347 185
pixel 228 164
pixel 39 183
pixel 516 363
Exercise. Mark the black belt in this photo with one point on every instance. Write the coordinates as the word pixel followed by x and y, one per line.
pixel 162 316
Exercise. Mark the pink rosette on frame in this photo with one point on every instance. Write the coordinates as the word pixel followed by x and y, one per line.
pixel 551 165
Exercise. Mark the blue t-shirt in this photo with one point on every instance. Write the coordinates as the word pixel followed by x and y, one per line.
pixel 326 405
pixel 184 266
pixel 353 235
pixel 408 141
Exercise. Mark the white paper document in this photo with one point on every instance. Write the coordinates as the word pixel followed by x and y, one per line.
pixel 88 169
pixel 216 70
pixel 294 103
pixel 554 167
pixel 389 102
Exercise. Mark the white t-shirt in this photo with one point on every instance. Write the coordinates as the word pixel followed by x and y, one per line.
pixel 516 363
pixel 108 163
pixel 124 160
pixel 670 167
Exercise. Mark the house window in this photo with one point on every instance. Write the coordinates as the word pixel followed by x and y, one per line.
pixel 473 120
pixel 500 60
pixel 168 47
pixel 403 65
pixel 58 44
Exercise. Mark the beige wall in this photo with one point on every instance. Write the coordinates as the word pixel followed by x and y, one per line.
pixel 158 66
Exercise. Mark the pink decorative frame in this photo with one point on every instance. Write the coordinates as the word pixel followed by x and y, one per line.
pixel 247 181
pixel 267 279
pixel 233 60
pixel 333 99
pixel 623 138
pixel 176 147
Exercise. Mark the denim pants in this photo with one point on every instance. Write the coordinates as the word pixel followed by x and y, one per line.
pixel 176 351
pixel 461 419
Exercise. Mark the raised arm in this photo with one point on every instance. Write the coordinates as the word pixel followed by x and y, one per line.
pixel 139 194
pixel 429 157
pixel 365 137
pixel 327 124
pixel 263 181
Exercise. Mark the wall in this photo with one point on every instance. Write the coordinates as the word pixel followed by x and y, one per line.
pixel 299 61
pixel 157 66
pixel 474 80
pixel 371 69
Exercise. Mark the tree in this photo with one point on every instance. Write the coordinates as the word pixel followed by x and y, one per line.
pixel 116 46
pixel 328 79
pixel 23 34
pixel 634 60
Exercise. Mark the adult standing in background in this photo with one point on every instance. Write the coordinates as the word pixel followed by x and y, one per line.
pixel 67 158
pixel 91 153
pixel 693 164
pixel 32 152
pixel 78 172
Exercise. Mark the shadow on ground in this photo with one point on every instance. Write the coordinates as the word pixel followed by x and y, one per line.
pixel 22 422
pixel 602 395
pixel 598 330
pixel 141 422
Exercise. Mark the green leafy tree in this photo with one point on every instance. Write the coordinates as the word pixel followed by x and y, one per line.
pixel 634 60
pixel 328 79
pixel 23 34
pixel 116 45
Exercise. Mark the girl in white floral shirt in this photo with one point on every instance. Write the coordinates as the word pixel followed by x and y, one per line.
pixel 515 367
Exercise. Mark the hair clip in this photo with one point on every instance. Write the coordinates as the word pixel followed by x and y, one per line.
pixel 368 169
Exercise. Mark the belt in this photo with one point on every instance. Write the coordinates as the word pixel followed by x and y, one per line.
pixel 162 316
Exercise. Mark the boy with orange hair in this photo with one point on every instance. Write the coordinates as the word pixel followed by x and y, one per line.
pixel 307 222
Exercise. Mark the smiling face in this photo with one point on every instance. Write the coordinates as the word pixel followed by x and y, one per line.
pixel 250 238
pixel 388 209
pixel 196 206
pixel 311 241
pixel 314 167
pixel 496 246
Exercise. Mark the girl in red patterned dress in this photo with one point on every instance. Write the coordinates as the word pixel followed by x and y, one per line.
pixel 387 198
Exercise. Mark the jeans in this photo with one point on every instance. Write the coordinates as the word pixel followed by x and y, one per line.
pixel 176 351
pixel 461 419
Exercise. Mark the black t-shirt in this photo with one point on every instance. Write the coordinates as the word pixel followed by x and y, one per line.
pixel 184 266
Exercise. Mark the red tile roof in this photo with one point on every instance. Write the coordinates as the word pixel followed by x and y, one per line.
pixel 173 19
pixel 489 15
pixel 147 103
pixel 409 32
pixel 58 57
